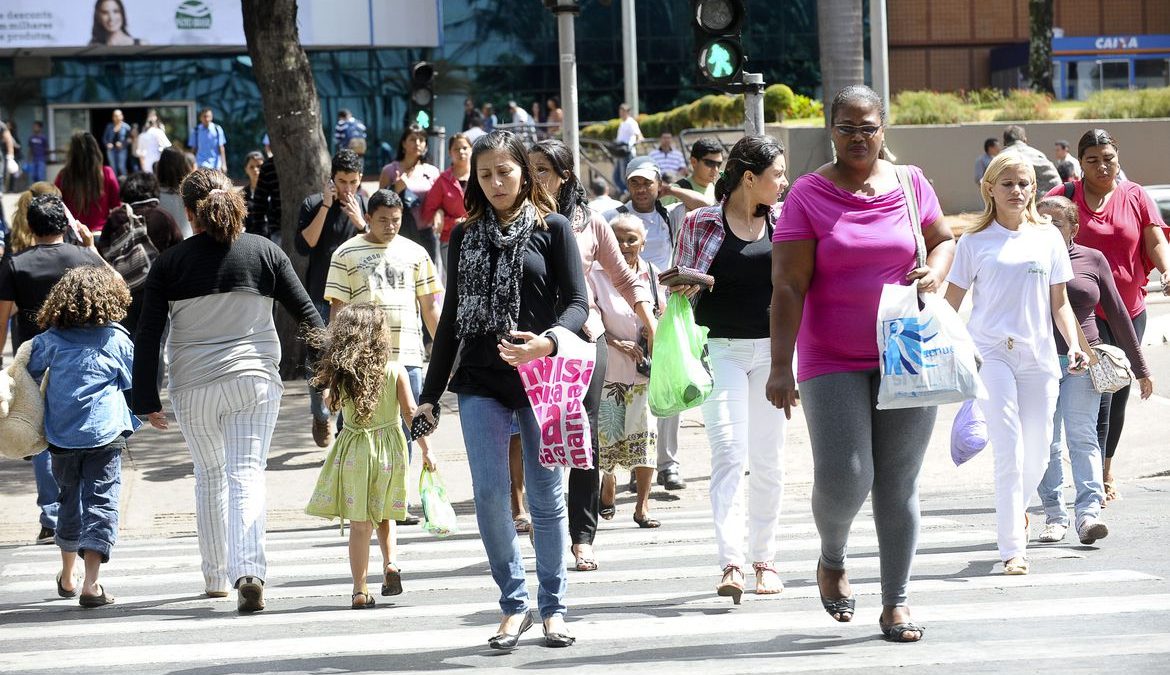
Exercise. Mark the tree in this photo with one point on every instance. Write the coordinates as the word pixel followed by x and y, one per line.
pixel 840 39
pixel 292 112
pixel 1040 47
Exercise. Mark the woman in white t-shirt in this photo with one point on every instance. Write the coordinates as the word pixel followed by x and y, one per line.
pixel 1018 264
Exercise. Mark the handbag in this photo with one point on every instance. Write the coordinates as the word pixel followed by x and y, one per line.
pixel 925 354
pixel 1109 367
pixel 132 253
pixel 643 366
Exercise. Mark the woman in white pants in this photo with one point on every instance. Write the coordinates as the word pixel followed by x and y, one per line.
pixel 217 290
pixel 732 241
pixel 1019 265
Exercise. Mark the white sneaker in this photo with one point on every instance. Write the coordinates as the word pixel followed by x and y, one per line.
pixel 1090 530
pixel 1053 532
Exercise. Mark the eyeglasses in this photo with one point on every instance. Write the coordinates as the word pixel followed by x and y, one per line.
pixel 710 163
pixel 868 131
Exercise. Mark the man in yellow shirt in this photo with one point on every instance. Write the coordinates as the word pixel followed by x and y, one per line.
pixel 394 273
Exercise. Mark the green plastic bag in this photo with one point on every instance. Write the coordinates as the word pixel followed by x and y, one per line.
pixel 680 377
pixel 438 516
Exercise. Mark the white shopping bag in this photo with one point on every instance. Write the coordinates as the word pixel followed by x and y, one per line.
pixel 556 387
pixel 925 353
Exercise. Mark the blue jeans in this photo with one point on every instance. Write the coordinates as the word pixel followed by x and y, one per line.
pixel 1077 408
pixel 35 171
pixel 316 402
pixel 47 492
pixel 415 375
pixel 90 481
pixel 118 160
pixel 486 428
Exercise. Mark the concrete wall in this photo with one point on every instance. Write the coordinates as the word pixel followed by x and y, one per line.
pixel 947 153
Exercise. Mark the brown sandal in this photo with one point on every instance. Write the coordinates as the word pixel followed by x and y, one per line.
pixel 361 600
pixel 729 586
pixel 392 581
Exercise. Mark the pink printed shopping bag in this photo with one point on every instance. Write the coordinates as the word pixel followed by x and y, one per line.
pixel 556 387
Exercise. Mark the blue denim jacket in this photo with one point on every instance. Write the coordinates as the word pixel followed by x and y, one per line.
pixel 88 369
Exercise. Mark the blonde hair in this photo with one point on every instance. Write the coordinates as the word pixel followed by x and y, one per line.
pixel 1002 162
pixel 355 349
pixel 21 237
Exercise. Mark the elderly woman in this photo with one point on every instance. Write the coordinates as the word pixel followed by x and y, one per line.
pixel 217 288
pixel 843 234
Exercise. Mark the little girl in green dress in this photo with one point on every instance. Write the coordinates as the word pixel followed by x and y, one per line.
pixel 363 479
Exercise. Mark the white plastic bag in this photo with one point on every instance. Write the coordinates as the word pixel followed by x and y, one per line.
pixel 925 354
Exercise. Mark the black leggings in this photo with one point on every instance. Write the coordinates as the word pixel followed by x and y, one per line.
pixel 585 484
pixel 1111 418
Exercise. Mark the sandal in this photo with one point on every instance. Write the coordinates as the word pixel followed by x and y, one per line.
pixel 729 586
pixel 646 521
pixel 523 524
pixel 586 564
pixel 366 601
pixel 1016 566
pixel 841 609
pixel 1111 494
pixel 763 588
pixel 897 632
pixel 607 511
pixel 61 589
pixel 100 600
pixel 392 581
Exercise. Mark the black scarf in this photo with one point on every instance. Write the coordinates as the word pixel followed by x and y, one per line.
pixel 489 301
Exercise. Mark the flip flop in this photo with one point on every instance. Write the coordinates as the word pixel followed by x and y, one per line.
pixel 607 511
pixel 523 524
pixel 61 589
pixel 96 600
pixel 392 581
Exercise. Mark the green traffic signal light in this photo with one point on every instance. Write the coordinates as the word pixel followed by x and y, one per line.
pixel 721 60
pixel 423 119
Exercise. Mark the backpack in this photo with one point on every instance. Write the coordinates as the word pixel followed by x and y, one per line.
pixel 132 253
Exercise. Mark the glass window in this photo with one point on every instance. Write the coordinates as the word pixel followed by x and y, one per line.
pixel 1151 73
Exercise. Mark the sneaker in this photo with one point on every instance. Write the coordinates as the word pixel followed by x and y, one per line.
pixel 46 535
pixel 1090 530
pixel 1053 532
pixel 322 433
pixel 251 595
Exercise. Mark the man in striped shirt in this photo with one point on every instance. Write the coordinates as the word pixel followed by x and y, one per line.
pixel 669 160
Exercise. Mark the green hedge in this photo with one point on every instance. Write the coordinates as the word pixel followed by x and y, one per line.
pixel 715 110
pixel 1022 104
pixel 1125 104
pixel 931 107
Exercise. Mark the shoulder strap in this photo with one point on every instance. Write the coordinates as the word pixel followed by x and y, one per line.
pixel 915 217
pixel 653 285
pixel 1070 189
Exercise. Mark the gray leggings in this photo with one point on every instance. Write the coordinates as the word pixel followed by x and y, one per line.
pixel 857 450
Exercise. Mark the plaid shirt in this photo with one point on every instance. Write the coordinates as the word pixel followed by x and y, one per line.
pixel 701 237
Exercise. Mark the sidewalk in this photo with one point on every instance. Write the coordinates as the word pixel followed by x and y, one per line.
pixel 158 486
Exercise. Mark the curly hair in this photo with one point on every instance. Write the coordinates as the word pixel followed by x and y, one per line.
pixel 354 351
pixel 85 297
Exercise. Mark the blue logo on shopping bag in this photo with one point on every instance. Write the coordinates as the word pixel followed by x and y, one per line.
pixel 905 342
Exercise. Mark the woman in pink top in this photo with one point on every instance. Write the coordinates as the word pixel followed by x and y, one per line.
pixel 412 178
pixel 88 189
pixel 552 165
pixel 1120 220
pixel 844 232
pixel 444 203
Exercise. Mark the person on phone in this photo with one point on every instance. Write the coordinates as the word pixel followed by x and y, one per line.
pixel 1077 407
pixel 1018 265
pixel 327 220
pixel 515 273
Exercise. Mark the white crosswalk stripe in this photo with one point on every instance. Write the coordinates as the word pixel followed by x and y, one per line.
pixel 652 583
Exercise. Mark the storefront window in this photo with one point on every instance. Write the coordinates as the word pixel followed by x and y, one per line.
pixel 1151 73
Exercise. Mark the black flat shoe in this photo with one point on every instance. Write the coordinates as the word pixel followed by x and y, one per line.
pixel 558 639
pixel 509 640
pixel 841 609
pixel 64 593
pixel 607 511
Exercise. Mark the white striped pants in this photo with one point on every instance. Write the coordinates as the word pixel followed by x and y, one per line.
pixel 228 427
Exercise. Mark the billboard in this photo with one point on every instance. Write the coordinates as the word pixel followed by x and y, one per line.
pixel 73 26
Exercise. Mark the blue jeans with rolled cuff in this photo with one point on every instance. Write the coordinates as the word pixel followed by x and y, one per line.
pixel 90 481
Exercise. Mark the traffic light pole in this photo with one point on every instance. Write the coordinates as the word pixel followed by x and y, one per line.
pixel 753 104
pixel 566 10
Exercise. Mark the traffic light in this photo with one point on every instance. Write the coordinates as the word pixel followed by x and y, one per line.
pixel 717 26
pixel 421 110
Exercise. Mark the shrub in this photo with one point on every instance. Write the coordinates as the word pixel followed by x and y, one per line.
pixel 804 107
pixel 1124 104
pixel 1022 104
pixel 929 107
pixel 983 98
pixel 715 110
pixel 779 101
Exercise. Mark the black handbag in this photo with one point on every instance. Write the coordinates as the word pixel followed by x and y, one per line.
pixel 643 364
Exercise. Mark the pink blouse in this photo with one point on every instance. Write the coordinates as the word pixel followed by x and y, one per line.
pixel 599 250
pixel 620 321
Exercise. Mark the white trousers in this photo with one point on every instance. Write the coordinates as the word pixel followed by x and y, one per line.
pixel 228 427
pixel 1022 393
pixel 745 431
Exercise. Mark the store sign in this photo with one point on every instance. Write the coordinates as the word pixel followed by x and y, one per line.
pixel 1130 42
pixel 64 25
pixel 1111 44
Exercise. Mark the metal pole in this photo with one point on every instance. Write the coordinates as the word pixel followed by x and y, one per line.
pixel 570 133
pixel 630 55
pixel 879 44
pixel 753 104
pixel 440 134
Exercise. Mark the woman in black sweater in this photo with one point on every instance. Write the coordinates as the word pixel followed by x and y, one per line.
pixel 514 273
pixel 217 289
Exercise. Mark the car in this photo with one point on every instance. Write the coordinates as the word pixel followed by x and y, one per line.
pixel 1161 196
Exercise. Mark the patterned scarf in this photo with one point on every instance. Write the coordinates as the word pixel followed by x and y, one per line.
pixel 489 301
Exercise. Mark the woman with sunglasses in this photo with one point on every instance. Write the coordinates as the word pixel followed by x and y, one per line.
pixel 1120 220
pixel 843 234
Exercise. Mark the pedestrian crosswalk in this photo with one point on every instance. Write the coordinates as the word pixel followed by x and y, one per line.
pixel 650 606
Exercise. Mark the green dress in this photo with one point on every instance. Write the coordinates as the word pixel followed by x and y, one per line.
pixel 364 475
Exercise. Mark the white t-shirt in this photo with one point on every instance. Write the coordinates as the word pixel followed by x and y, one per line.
pixel 519 116
pixel 1012 272
pixel 150 146
pixel 658 248
pixel 627 130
